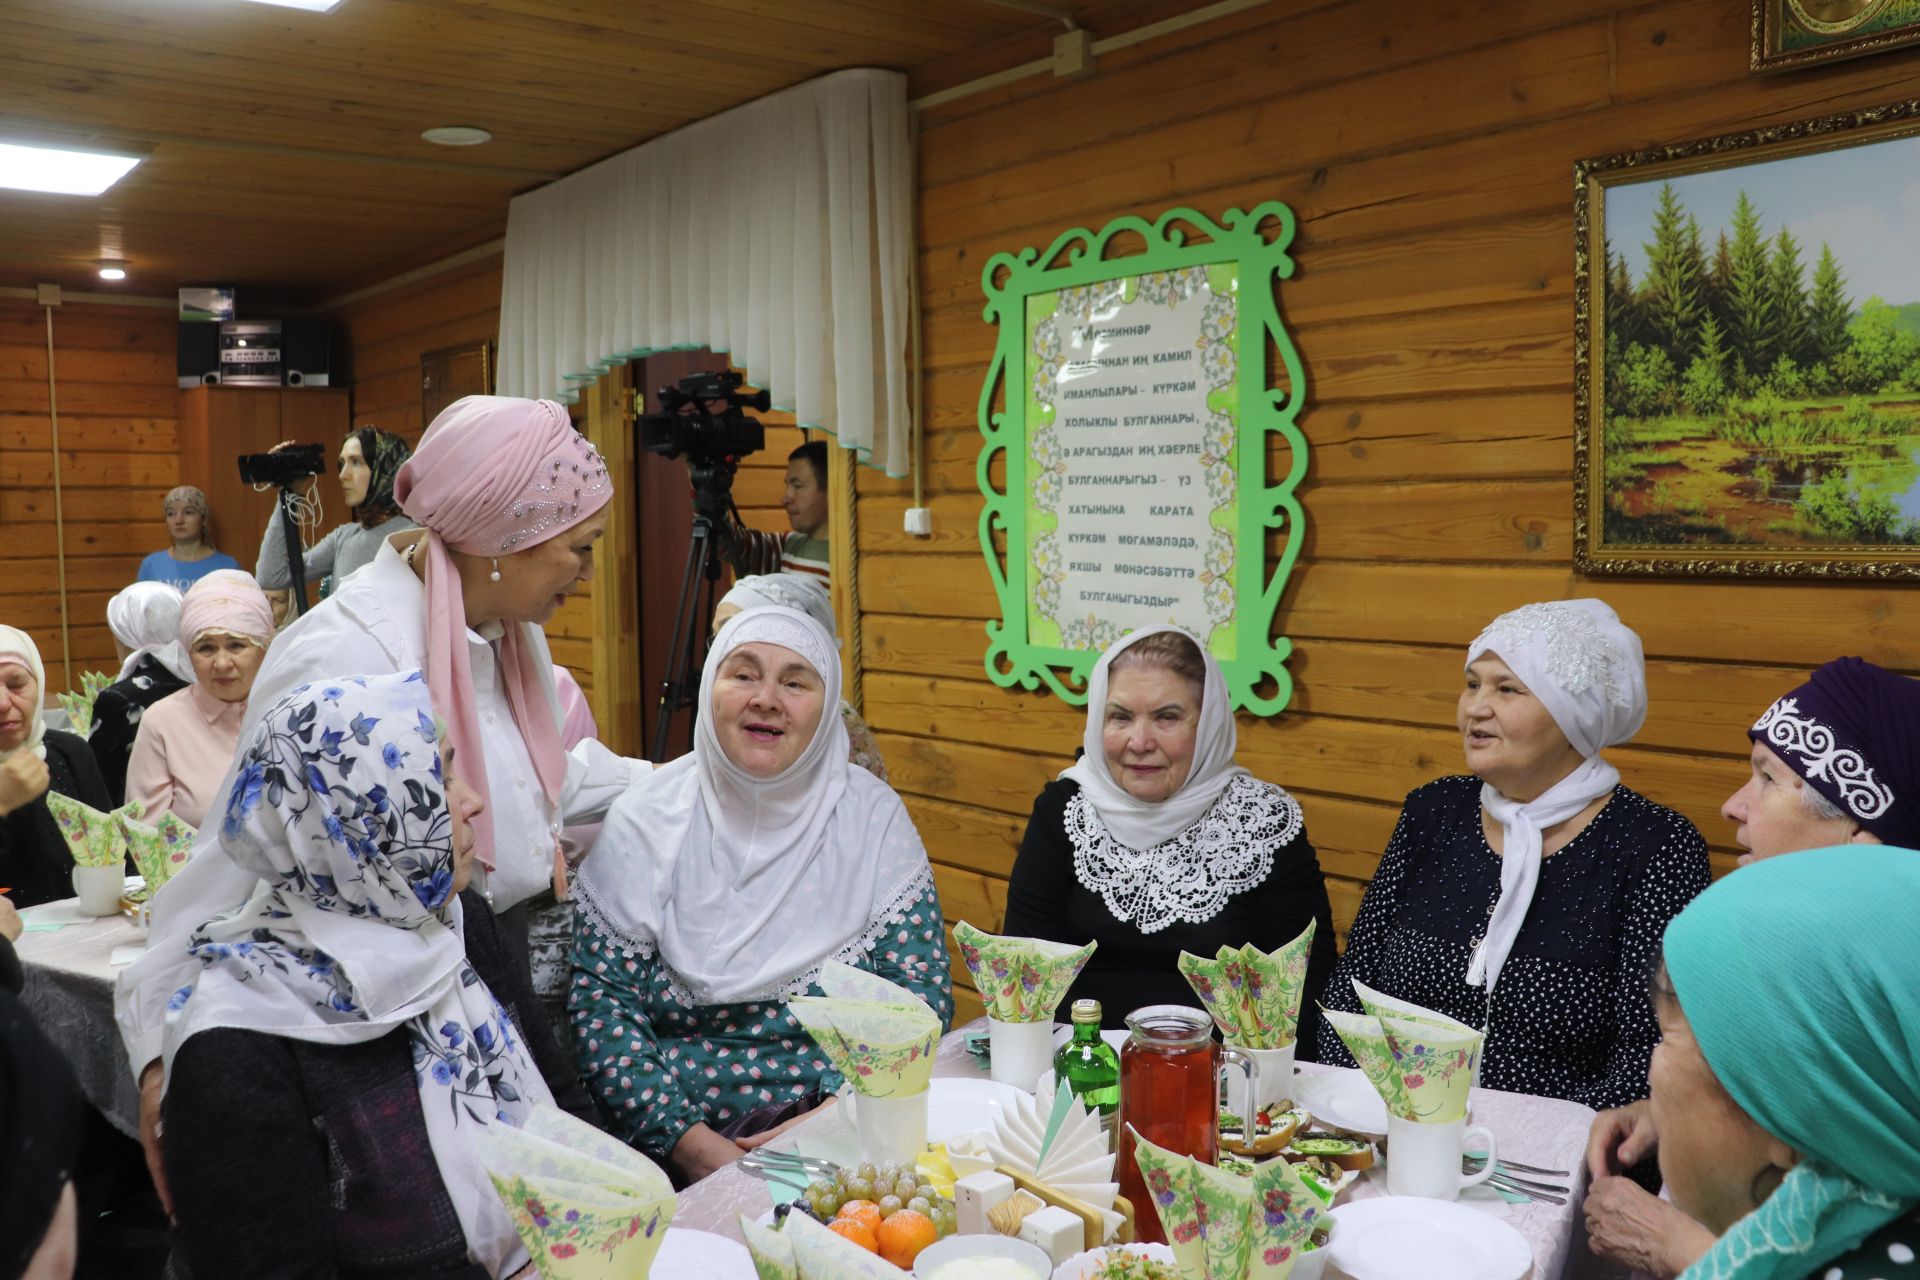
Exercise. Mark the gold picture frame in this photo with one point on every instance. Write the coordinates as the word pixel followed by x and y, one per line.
pixel 1791 34
pixel 1709 441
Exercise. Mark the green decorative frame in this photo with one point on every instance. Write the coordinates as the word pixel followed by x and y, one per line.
pixel 1254 244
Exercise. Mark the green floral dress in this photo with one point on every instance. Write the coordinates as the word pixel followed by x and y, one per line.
pixel 656 1063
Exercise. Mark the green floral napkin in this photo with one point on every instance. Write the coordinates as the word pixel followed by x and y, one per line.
pixel 1422 1062
pixel 772 1255
pixel 1222 1226
pixel 586 1206
pixel 92 682
pixel 1019 979
pixel 79 709
pixel 878 1035
pixel 1253 995
pixel 159 851
pixel 93 837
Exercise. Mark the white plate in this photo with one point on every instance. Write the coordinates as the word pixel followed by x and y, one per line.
pixel 1082 1265
pixel 1391 1237
pixel 958 1105
pixel 1342 1099
pixel 686 1252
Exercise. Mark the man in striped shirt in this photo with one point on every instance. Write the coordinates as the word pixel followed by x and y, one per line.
pixel 804 550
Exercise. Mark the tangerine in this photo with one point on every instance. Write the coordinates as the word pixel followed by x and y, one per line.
pixel 855 1232
pixel 904 1235
pixel 864 1212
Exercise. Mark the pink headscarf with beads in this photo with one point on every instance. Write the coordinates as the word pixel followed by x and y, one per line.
pixel 495 475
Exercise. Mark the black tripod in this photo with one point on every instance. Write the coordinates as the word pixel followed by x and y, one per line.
pixel 713 512
pixel 296 551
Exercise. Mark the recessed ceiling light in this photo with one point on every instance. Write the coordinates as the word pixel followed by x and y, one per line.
pixel 457 135
pixel 312 6
pixel 112 269
pixel 59 170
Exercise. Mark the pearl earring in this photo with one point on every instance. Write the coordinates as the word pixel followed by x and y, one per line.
pixel 495 575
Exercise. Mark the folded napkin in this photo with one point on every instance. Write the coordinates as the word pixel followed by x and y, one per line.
pixel 802 1249
pixel 159 851
pixel 94 838
pixel 586 1206
pixel 79 709
pixel 1019 979
pixel 880 1036
pixel 1222 1226
pixel 1253 995
pixel 1059 1141
pixel 1422 1062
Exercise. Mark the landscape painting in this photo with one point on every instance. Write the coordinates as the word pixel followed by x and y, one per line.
pixel 1754 356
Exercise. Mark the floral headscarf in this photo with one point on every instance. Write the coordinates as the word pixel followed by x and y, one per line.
pixel 384 453
pixel 354 928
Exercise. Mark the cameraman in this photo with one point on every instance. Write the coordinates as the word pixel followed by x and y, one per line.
pixel 805 550
pixel 369 461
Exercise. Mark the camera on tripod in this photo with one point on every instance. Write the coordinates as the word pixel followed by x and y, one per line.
pixel 285 467
pixel 689 424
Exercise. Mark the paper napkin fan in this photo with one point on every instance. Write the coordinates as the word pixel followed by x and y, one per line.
pixel 1223 1202
pixel 1222 1226
pixel 1019 979
pixel 1253 995
pixel 1285 1215
pixel 160 850
pixel 772 1255
pixel 94 838
pixel 879 1035
pixel 79 709
pixel 92 683
pixel 586 1206
pixel 1421 1062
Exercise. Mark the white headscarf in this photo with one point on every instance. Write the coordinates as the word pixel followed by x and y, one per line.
pixel 791 590
pixel 745 885
pixel 1586 668
pixel 17 643
pixel 146 619
pixel 1142 824
pixel 354 930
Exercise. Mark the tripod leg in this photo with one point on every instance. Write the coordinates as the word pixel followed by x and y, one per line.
pixel 686 625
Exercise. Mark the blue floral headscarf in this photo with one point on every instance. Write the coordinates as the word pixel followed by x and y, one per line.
pixel 354 929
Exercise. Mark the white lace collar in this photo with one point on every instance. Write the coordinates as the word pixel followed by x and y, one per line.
pixel 1189 877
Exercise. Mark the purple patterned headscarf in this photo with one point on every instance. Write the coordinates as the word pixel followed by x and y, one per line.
pixel 1852 732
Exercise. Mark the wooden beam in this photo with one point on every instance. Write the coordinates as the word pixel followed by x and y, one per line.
pixel 615 695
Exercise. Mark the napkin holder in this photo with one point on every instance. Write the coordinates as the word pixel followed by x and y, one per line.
pixel 1094 1219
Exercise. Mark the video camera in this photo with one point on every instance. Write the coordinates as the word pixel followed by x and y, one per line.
pixel 285 467
pixel 688 424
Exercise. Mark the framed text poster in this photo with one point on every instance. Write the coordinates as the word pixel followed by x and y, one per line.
pixel 1140 394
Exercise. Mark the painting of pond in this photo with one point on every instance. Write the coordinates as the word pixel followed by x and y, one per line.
pixel 1761 374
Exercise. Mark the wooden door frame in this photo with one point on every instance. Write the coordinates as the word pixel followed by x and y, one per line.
pixel 843 541
pixel 616 583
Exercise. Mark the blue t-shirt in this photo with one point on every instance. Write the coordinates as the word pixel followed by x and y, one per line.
pixel 162 567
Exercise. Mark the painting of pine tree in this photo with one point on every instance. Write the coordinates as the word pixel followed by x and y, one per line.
pixel 1761 372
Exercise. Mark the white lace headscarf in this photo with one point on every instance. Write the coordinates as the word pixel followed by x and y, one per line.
pixel 1586 668
pixel 145 617
pixel 793 590
pixel 746 885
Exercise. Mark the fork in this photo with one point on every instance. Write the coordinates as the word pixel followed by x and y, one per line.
pixel 763 1163
pixel 1477 1158
pixel 1528 1189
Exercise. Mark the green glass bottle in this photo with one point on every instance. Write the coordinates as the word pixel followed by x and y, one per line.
pixel 1090 1066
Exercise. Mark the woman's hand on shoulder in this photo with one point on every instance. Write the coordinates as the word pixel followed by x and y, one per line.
pixel 23 779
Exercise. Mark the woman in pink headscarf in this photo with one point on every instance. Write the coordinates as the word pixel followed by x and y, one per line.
pixel 186 740
pixel 510 500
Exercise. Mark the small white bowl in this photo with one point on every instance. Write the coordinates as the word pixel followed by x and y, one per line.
pixel 961 1248
pixel 1082 1265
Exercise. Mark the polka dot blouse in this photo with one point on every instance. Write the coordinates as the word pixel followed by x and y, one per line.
pixel 656 1065
pixel 1571 1016
pixel 1891 1253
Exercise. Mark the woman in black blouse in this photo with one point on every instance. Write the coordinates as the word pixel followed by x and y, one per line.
pixel 35 864
pixel 145 621
pixel 1529 898
pixel 1155 842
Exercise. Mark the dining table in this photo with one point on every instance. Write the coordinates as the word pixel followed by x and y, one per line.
pixel 1549 1133
pixel 69 961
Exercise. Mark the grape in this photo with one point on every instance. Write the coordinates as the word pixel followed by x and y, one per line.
pixel 889 1205
pixel 889 1172
pixel 860 1188
pixel 926 1192
pixel 919 1205
pixel 828 1205
pixel 866 1171
pixel 821 1187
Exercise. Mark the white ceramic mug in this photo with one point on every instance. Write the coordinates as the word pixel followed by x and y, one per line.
pixel 1019 1051
pixel 1275 1076
pixel 889 1128
pixel 1424 1159
pixel 99 888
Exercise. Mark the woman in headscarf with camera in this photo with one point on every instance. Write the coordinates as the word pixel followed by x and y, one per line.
pixel 1527 897
pixel 145 621
pixel 370 462
pixel 511 499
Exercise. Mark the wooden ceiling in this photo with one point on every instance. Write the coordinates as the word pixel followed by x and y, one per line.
pixel 283 147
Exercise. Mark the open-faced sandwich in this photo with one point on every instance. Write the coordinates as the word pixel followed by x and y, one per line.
pixel 1273 1129
pixel 1342 1153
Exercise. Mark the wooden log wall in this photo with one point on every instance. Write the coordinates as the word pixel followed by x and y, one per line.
pixel 1427 149
pixel 119 454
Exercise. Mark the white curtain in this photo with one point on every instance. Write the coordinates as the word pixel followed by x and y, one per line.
pixel 777 232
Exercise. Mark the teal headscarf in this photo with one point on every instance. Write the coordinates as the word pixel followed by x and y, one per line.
pixel 1800 977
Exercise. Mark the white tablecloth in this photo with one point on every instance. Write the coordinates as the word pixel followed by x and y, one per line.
pixel 1547 1132
pixel 69 991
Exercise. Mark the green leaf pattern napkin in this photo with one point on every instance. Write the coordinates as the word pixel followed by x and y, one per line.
pixel 877 1034
pixel 1253 995
pixel 1019 979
